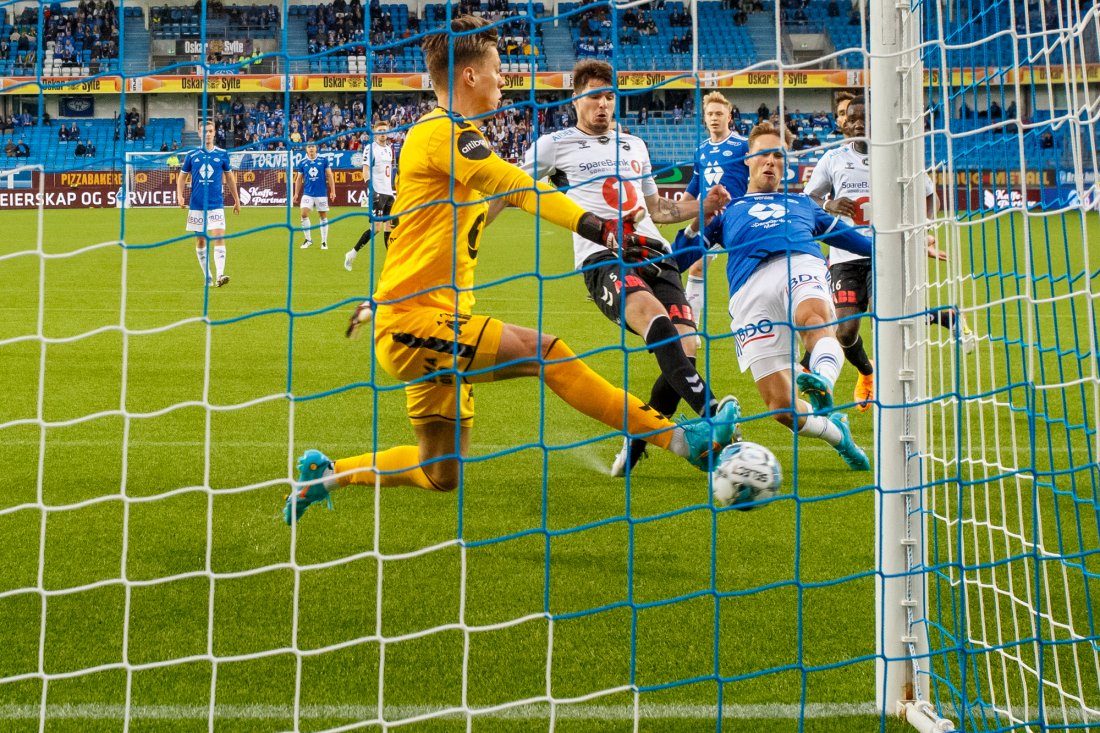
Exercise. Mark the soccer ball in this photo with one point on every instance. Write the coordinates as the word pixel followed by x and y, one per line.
pixel 746 473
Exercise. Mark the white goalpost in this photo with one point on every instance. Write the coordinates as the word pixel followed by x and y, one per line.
pixel 988 508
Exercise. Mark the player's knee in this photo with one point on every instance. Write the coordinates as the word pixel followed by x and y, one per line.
pixel 546 340
pixel 847 333
pixel 779 405
pixel 444 475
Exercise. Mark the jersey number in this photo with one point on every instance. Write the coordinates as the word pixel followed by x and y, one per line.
pixel 861 217
pixel 620 195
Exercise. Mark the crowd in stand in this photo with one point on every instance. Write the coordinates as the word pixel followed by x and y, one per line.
pixel 334 126
pixel 92 27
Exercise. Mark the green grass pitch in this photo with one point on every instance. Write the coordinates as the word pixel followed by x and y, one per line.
pixel 648 585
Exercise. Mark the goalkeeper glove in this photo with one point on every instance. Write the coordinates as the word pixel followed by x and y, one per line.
pixel 606 231
pixel 362 316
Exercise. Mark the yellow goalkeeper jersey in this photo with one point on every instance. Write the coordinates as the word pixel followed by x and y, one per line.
pixel 448 170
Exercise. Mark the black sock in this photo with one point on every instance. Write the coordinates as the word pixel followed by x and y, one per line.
pixel 363 239
pixel 676 368
pixel 857 357
pixel 386 238
pixel 805 360
pixel 944 318
pixel 662 398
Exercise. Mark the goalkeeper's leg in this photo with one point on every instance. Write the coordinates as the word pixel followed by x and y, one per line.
pixel 527 353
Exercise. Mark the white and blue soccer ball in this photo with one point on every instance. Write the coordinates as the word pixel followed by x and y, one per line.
pixel 746 473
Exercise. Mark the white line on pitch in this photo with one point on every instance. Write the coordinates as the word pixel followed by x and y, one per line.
pixel 767 711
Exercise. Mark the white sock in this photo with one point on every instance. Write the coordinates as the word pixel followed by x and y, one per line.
pixel 678 444
pixel 694 291
pixel 324 231
pixel 330 482
pixel 305 227
pixel 200 252
pixel 819 426
pixel 827 358
pixel 219 259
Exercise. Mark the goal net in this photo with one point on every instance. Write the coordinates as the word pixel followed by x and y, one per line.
pixel 152 420
pixel 1007 534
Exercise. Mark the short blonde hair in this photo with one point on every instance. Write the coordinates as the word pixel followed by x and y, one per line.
pixel 717 98
pixel 767 128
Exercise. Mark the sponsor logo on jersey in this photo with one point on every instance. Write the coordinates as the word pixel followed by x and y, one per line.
pixel 472 146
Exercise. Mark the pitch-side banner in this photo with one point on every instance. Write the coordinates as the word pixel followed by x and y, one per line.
pixel 550 81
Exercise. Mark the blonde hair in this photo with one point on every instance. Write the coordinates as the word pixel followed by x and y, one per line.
pixel 468 47
pixel 717 98
pixel 767 128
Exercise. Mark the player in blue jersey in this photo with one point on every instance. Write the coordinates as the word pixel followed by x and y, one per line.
pixel 778 277
pixel 720 160
pixel 314 182
pixel 208 170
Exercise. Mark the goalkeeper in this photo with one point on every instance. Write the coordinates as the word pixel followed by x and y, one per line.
pixel 607 171
pixel 425 331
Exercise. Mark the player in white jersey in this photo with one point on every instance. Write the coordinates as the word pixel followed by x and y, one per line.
pixel 208 170
pixel 608 171
pixel 378 176
pixel 841 183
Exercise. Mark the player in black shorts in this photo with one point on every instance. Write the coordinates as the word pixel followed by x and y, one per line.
pixel 378 176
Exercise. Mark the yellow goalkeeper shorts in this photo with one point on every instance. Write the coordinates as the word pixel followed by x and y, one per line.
pixel 421 346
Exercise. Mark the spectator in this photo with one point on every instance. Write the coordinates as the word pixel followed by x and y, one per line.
pixel 47 121
pixel 9 149
pixel 74 132
pixel 22 150
pixel 80 151
pixel 1046 140
pixel 643 116
pixel 164 147
pixel 762 113
pixel 89 146
pixel 62 134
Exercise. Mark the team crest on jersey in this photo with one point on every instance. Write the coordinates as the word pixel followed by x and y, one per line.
pixel 767 212
pixel 712 174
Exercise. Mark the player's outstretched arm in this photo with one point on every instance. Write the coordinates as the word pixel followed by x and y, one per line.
pixel 667 211
pixel 688 246
pixel 836 233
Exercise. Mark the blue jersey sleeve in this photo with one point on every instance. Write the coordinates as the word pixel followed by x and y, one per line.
pixel 186 167
pixel 686 251
pixel 835 233
pixel 693 184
